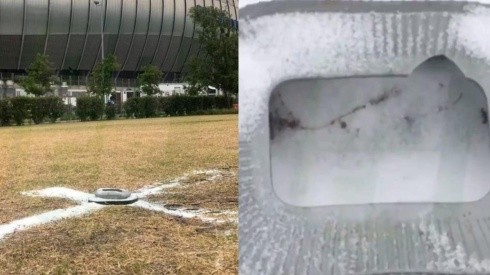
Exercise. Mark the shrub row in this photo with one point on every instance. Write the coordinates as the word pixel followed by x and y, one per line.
pixel 141 107
pixel 20 109
pixel 217 112
pixel 6 112
pixel 191 105
pixel 178 105
pixel 93 108
pixel 89 108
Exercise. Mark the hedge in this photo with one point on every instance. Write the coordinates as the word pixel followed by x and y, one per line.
pixel 89 107
pixel 131 107
pixel 178 105
pixel 110 112
pixel 141 107
pixel 55 107
pixel 38 109
pixel 20 109
pixel 191 105
pixel 6 112
pixel 46 107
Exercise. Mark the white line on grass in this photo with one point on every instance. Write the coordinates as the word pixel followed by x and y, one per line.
pixel 85 207
pixel 47 217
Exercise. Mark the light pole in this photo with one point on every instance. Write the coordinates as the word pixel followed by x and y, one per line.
pixel 99 3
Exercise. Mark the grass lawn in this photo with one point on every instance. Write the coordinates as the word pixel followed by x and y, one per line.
pixel 128 154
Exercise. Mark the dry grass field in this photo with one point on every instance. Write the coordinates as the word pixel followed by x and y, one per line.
pixel 127 154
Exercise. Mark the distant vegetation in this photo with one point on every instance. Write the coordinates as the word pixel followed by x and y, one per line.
pixel 22 110
pixel 19 110
pixel 39 76
pixel 217 64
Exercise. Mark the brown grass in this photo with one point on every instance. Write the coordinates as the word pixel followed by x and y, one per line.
pixel 221 194
pixel 16 206
pixel 121 240
pixel 128 154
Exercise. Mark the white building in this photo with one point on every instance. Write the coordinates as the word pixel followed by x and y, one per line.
pixel 69 94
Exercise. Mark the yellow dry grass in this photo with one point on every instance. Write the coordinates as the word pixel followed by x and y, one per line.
pixel 197 192
pixel 121 240
pixel 127 154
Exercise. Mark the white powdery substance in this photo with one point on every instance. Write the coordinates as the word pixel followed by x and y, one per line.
pixel 60 192
pixel 48 217
pixel 324 48
pixel 337 37
pixel 86 207
pixel 244 3
pixel 450 258
pixel 188 214
pixel 342 259
pixel 471 30
pixel 212 175
pixel 145 192
pixel 204 215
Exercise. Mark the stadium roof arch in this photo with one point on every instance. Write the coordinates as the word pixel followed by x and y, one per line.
pixel 138 32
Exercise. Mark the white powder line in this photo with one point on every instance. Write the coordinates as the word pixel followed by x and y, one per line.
pixel 85 207
pixel 47 217
pixel 212 175
pixel 188 214
pixel 155 190
pixel 60 192
pixel 450 257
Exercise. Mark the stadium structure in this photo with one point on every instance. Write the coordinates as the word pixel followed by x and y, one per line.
pixel 137 32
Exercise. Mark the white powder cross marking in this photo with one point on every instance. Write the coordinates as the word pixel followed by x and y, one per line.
pixel 86 207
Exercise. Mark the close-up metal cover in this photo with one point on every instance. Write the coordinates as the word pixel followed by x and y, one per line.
pixel 364 139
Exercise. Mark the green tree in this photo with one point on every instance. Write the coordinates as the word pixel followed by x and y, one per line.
pixel 194 90
pixel 101 78
pixel 217 65
pixel 149 79
pixel 39 76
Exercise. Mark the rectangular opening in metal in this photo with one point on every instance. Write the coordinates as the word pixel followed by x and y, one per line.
pixel 383 139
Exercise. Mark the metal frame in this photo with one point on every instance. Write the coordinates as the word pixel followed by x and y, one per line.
pixel 138 64
pixel 160 34
pixel 192 39
pixel 100 54
pixel 181 37
pixel 132 39
pixel 170 43
pixel 69 36
pixel 276 237
pixel 47 27
pixel 23 33
pixel 80 20
pixel 119 27
pixel 86 33
pixel 132 36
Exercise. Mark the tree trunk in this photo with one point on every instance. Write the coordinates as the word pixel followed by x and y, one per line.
pixel 228 99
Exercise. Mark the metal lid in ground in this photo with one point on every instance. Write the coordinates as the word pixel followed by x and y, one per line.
pixel 113 196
